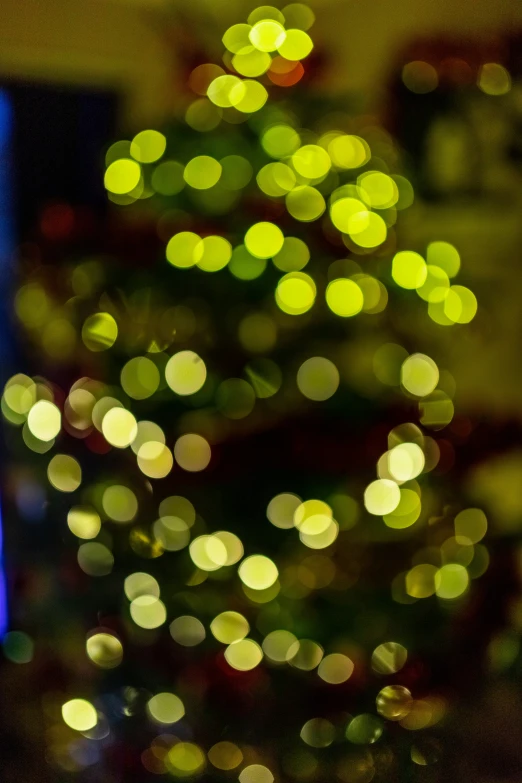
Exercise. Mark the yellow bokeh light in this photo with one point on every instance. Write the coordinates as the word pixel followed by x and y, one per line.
pixel 226 91
pixel 155 460
pixel 147 431
pixel 279 141
pixel 367 229
pixel 264 240
pixel 185 372
pixel 420 77
pixel 167 178
pixel 435 287
pixel 305 203
pixel 44 420
pixel 394 702
pixel 267 35
pixel 120 503
pixel 382 497
pixel 140 378
pixel 494 79
pixel 79 714
pixel 406 192
pixel 318 378
pixel 293 256
pixel 225 755
pixel 95 559
pixel 409 269
pixel 165 708
pixel 276 179
pixel 99 332
pixel 148 612
pixel 140 583
pixel 229 627
pixel 64 473
pixel 105 650
pixel 244 655
pixel 436 410
pixel 311 161
pixel 192 452
pixel 471 526
pixel 335 668
pixel 420 580
pixel 296 46
pixel 379 190
pixel 148 146
pixel 244 265
pixel 237 172
pixel 405 462
pixel 119 427
pixel 20 394
pixel 419 375
pixel 120 149
pixel 389 658
pixel 203 116
pixel 236 37
pixel 264 12
pixel 343 210
pixel 295 293
pixel 281 509
pixel 122 176
pixel 312 517
pixel 276 645
pixel 344 297
pixel 305 654
pixel 258 572
pixel 208 553
pixel 202 172
pixel 436 310
pixel 445 256
pixel 318 733
pixel 78 408
pixel 348 152
pixel 323 539
pixel 460 304
pixel 178 506
pixel 235 398
pixel 184 249
pixel 451 581
pixel 254 96
pixel 83 522
pixel 233 546
pixel 265 376
pixel 216 253
pixel 407 511
pixel 32 305
pixel 298 15
pixel 375 295
pixel 185 759
pixel 171 531
pixel 256 773
pixel 187 631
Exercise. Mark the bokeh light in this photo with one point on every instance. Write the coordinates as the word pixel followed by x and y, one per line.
pixel 185 372
pixel 79 714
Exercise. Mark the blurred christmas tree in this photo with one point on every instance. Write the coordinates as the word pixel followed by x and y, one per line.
pixel 238 593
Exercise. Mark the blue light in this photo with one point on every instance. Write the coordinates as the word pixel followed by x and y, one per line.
pixel 6 262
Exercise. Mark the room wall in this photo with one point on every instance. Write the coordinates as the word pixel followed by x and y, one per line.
pixel 98 43
pixel 126 45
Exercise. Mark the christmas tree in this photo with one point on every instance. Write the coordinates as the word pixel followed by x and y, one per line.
pixel 262 554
